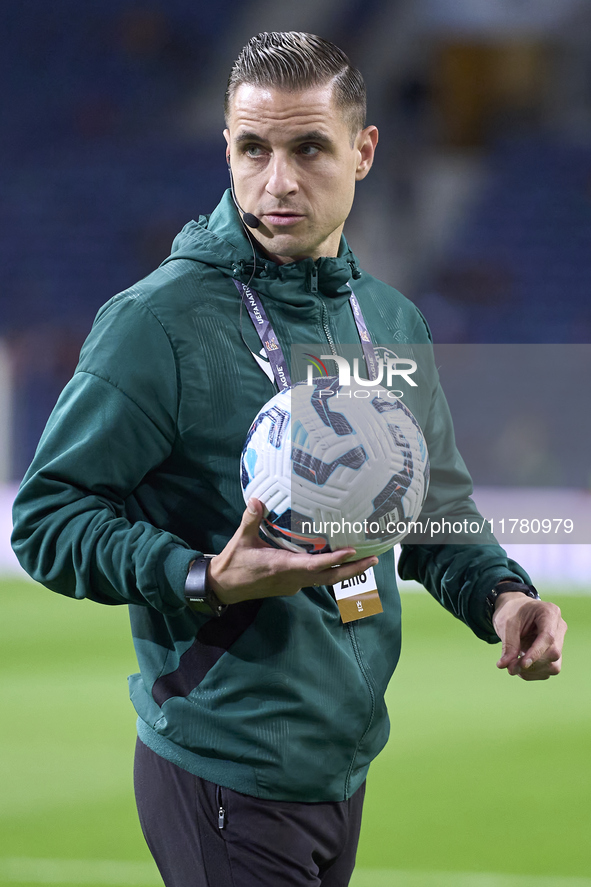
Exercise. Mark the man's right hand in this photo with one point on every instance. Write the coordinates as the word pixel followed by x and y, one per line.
pixel 249 568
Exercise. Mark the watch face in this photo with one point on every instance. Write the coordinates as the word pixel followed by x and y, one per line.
pixel 198 596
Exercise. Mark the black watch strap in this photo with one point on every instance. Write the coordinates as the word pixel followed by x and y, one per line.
pixel 508 585
pixel 198 595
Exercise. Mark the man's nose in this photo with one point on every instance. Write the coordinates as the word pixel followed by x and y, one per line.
pixel 282 180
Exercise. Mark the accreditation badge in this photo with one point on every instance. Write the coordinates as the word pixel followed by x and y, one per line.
pixel 358 597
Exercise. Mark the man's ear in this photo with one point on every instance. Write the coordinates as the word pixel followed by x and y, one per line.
pixel 365 144
pixel 227 138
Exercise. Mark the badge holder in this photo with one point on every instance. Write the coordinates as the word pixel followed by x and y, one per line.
pixel 358 597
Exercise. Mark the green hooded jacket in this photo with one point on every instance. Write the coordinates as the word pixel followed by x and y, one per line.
pixel 137 473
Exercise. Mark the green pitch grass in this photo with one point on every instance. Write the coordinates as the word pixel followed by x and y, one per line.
pixel 483 773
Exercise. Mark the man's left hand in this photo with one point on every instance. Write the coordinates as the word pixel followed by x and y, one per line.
pixel 532 633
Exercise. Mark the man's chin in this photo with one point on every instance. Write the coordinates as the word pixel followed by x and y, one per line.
pixel 282 248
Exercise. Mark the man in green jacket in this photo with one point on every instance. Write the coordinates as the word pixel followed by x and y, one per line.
pixel 259 710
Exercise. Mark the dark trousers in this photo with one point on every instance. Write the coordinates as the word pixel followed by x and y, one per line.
pixel 203 835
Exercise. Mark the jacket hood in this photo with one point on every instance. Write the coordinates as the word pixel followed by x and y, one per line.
pixel 219 240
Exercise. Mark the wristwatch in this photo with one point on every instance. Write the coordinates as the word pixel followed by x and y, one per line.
pixel 198 595
pixel 508 585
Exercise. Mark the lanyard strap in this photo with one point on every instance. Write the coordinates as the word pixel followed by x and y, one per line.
pixel 371 360
pixel 273 349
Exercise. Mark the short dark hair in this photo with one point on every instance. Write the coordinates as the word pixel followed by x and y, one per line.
pixel 293 60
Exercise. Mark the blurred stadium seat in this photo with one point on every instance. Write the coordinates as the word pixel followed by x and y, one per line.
pixel 520 267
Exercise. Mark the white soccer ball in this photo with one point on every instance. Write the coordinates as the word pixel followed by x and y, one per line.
pixel 336 466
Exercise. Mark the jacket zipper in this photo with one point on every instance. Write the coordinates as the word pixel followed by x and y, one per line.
pixel 314 289
pixel 363 670
pixel 327 329
pixel 353 638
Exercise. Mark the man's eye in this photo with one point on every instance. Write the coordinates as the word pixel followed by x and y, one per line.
pixel 309 150
pixel 253 150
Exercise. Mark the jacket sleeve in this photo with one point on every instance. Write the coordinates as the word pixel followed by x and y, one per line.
pixel 458 568
pixel 114 422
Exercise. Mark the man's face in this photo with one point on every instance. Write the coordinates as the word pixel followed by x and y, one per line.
pixel 295 165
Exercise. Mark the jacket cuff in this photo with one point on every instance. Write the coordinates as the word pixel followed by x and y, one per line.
pixel 173 573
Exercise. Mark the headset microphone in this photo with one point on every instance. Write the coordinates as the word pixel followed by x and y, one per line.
pixel 248 218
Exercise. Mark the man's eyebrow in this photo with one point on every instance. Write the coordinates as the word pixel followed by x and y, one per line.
pixel 247 137
pixel 314 135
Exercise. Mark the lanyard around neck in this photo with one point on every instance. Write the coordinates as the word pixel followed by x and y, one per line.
pixel 273 349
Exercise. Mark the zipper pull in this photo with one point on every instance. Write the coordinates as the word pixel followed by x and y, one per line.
pixel 314 279
pixel 221 811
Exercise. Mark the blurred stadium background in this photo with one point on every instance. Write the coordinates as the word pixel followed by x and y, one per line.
pixel 478 209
